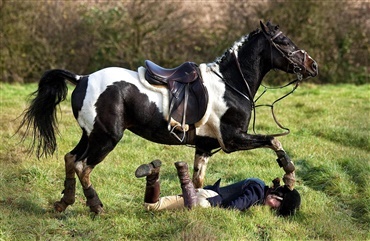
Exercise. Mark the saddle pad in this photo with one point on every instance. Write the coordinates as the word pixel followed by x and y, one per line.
pixel 156 88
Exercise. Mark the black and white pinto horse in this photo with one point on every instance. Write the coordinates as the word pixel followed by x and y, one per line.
pixel 111 100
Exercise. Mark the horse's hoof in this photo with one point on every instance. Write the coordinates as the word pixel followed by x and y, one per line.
pixel 289 168
pixel 60 206
pixel 98 209
pixel 289 180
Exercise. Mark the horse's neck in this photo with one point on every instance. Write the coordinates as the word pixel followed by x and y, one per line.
pixel 253 69
pixel 253 64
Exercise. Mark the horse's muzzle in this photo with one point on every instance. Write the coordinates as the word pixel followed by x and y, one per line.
pixel 311 67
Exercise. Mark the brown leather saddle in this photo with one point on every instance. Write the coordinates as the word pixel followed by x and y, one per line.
pixel 188 95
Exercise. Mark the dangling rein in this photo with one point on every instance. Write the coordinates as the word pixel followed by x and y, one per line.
pixel 287 131
pixel 253 102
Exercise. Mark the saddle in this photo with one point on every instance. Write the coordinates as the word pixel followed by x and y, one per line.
pixel 188 95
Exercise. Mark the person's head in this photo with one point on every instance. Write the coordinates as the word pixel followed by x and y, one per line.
pixel 284 200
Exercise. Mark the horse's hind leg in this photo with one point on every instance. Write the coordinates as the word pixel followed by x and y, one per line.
pixel 69 184
pixel 83 171
pixel 100 144
pixel 69 191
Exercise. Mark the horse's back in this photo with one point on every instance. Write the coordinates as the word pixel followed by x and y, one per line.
pixel 107 76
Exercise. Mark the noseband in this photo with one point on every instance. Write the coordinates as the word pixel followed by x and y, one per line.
pixel 296 69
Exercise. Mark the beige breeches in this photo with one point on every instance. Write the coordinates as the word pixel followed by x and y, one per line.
pixel 177 201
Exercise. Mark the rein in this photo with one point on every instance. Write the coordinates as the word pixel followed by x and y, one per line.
pixel 253 102
pixel 249 96
pixel 296 70
pixel 287 131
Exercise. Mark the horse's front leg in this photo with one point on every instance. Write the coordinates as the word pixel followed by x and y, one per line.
pixel 69 191
pixel 200 166
pixel 285 162
pixel 245 141
pixel 204 146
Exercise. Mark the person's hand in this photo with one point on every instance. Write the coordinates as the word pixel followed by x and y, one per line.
pixel 276 182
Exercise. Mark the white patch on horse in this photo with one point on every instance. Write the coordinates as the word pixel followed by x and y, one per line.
pixel 235 48
pixel 216 104
pixel 98 83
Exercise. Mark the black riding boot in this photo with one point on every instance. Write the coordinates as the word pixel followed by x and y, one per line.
pixel 188 190
pixel 151 172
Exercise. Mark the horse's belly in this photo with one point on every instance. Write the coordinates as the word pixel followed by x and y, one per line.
pixel 161 136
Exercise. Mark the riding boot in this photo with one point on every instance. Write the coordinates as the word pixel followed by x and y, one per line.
pixel 151 172
pixel 188 190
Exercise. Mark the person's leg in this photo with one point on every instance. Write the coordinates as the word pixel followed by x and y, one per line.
pixel 177 201
pixel 166 203
pixel 190 196
pixel 202 195
pixel 188 190
pixel 151 172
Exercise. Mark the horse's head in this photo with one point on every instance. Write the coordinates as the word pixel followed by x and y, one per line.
pixel 286 56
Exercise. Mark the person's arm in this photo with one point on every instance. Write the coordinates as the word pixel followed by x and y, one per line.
pixel 251 195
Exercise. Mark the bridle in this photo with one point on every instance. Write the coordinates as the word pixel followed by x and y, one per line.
pixel 296 69
pixel 249 96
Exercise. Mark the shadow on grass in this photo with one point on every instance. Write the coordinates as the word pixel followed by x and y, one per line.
pixel 346 138
pixel 24 206
pixel 344 180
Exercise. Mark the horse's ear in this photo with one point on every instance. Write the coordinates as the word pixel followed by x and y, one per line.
pixel 264 28
pixel 268 28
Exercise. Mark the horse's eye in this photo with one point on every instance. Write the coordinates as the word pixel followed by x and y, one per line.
pixel 286 42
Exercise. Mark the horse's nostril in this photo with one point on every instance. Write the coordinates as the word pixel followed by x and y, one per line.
pixel 314 66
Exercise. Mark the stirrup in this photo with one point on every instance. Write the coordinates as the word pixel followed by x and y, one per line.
pixel 175 135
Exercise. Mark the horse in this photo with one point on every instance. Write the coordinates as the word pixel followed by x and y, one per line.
pixel 111 100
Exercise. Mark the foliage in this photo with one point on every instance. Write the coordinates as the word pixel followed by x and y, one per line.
pixel 328 142
pixel 336 35
pixel 84 36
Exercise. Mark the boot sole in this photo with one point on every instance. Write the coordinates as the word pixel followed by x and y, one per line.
pixel 181 164
pixel 146 169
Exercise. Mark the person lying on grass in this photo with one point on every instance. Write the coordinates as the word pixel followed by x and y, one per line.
pixel 240 195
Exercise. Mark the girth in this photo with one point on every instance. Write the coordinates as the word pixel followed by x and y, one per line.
pixel 188 95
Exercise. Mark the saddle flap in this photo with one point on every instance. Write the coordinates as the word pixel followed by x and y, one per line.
pixel 195 106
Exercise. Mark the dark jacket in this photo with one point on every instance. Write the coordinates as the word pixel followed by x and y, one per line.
pixel 240 195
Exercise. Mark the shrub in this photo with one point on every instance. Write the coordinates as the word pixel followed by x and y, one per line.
pixel 84 36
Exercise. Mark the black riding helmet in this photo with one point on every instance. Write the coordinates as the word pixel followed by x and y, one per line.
pixel 291 200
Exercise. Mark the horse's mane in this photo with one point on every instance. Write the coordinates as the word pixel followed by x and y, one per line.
pixel 237 45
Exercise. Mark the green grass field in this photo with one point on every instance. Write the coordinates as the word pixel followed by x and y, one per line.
pixel 329 143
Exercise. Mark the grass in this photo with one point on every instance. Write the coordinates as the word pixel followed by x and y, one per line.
pixel 329 142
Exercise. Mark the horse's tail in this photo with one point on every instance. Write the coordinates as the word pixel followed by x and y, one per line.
pixel 41 115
